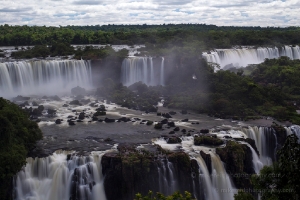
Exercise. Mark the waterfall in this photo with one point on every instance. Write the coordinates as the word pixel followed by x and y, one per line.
pixel 294 129
pixel 162 71
pixel 210 192
pixel 56 177
pixel 135 69
pixel 220 179
pixel 45 77
pixel 245 56
pixel 257 164
pixel 167 180
pixel 266 142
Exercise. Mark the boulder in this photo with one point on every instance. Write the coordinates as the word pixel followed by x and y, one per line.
pixel 176 129
pixel 124 119
pixel 21 98
pixel 166 115
pixel 172 112
pixel 173 140
pixel 158 126
pixel 204 131
pixel 171 124
pixel 78 91
pixel 55 98
pixel 81 116
pixel 35 103
pixel 71 123
pixel 149 123
pixel 207 140
pixel 58 121
pixel 51 111
pixel 185 120
pixel 164 121
pixel 107 120
pixel 75 102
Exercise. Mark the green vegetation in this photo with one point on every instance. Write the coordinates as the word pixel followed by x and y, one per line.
pixel 159 39
pixel 17 136
pixel 159 196
pixel 207 140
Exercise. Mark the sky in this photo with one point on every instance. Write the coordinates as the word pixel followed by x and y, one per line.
pixel 100 12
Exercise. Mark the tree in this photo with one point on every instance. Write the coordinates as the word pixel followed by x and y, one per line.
pixel 17 136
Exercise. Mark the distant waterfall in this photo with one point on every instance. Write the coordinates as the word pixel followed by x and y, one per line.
pixel 55 177
pixel 135 69
pixel 46 77
pixel 266 142
pixel 245 56
pixel 162 71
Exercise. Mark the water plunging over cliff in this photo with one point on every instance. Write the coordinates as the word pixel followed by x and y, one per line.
pixel 45 77
pixel 245 56
pixel 266 142
pixel 135 69
pixel 57 177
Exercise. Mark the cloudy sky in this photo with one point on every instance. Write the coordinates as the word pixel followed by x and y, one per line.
pixel 92 12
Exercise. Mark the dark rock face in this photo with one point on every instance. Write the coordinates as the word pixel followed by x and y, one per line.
pixel 129 172
pixel 280 134
pixel 238 163
pixel 207 160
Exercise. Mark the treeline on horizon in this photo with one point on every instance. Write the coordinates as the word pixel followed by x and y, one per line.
pixel 210 36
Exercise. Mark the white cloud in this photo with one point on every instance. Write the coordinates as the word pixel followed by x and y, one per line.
pixel 92 12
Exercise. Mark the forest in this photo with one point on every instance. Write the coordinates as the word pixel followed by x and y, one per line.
pixel 205 36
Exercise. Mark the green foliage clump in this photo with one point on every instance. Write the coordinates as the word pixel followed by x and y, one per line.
pixel 17 136
pixel 160 196
pixel 207 140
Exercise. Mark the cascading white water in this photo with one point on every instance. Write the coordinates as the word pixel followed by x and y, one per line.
pixel 210 192
pixel 295 129
pixel 162 72
pixel 135 69
pixel 220 179
pixel 266 142
pixel 257 164
pixel 44 77
pixel 55 177
pixel 245 56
